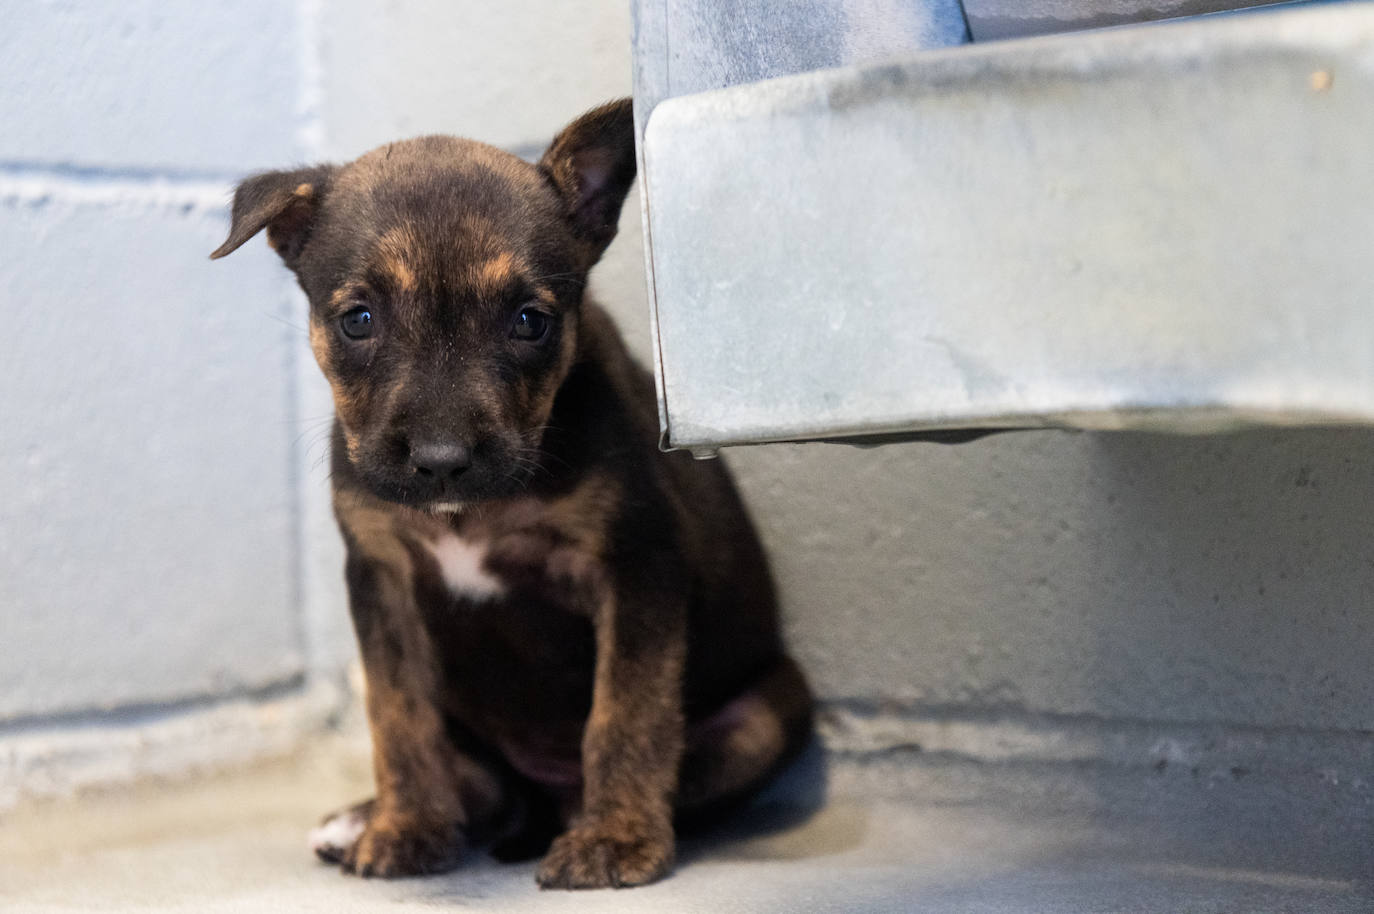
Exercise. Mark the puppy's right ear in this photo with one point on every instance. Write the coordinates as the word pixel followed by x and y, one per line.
pixel 285 203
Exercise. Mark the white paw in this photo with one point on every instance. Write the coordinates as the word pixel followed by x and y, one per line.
pixel 337 834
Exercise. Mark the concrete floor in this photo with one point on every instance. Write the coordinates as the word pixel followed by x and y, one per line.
pixel 979 838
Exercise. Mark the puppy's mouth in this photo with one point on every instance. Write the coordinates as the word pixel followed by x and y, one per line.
pixel 395 484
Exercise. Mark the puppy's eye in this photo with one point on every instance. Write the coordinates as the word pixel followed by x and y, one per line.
pixel 531 326
pixel 357 324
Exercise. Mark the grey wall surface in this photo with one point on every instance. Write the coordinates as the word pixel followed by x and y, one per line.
pixel 1115 576
pixel 147 548
pixel 509 74
pixel 148 541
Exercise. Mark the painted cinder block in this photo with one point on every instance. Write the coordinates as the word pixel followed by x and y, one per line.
pixel 509 73
pixel 150 85
pixel 1118 576
pixel 147 536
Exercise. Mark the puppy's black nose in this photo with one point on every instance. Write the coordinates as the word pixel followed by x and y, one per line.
pixel 440 459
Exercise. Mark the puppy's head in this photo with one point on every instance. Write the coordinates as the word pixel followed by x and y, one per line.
pixel 445 279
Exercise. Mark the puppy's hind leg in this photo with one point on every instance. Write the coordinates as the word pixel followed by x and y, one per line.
pixel 732 753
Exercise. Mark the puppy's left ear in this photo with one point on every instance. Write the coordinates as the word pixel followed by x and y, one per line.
pixel 283 202
pixel 591 163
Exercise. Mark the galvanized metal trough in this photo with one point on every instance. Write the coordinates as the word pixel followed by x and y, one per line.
pixel 1161 226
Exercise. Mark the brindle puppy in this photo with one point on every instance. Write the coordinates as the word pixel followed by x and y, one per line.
pixel 561 627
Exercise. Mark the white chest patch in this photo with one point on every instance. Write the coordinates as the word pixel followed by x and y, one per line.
pixel 460 562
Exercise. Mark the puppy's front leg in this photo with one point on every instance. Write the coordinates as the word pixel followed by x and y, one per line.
pixel 429 792
pixel 631 747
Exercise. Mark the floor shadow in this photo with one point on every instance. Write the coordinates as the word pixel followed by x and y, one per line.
pixel 790 806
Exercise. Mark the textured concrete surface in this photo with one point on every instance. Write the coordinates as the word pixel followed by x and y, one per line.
pixel 1127 576
pixel 146 539
pixel 507 73
pixel 150 87
pixel 153 589
pixel 63 757
pixel 1108 842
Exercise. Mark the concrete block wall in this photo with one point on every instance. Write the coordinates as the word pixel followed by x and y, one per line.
pixel 149 543
pixel 1120 577
pixel 150 518
pixel 170 577
pixel 170 587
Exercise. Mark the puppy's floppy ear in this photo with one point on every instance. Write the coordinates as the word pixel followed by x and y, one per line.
pixel 284 202
pixel 592 165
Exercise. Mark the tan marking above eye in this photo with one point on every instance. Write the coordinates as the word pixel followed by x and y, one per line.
pixel 402 275
pixel 342 296
pixel 397 250
pixel 495 273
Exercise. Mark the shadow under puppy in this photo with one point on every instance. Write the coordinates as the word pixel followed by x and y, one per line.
pixel 563 629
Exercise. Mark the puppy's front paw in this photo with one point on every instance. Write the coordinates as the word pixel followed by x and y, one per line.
pixel 594 856
pixel 335 836
pixel 389 849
